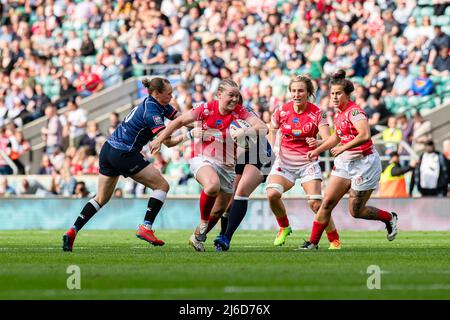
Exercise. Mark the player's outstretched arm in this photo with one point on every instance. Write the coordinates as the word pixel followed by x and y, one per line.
pixel 258 127
pixel 180 121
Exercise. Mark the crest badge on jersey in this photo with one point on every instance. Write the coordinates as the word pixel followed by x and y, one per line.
pixel 307 127
pixel 218 123
pixel 296 120
pixel 158 120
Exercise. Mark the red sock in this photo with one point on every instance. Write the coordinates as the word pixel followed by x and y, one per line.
pixel 212 222
pixel 206 205
pixel 283 222
pixel 384 216
pixel 333 235
pixel 316 232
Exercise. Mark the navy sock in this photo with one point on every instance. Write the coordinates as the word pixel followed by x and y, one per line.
pixel 237 214
pixel 223 224
pixel 86 214
pixel 153 208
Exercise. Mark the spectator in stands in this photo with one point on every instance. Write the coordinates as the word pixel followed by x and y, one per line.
pixel 177 168
pixel 422 84
pixel 66 92
pixel 46 166
pixel 211 62
pixel 441 65
pixel 431 173
pixel 63 183
pixel 407 127
pixel 441 40
pixel 392 180
pixel 422 133
pixel 123 60
pixel 376 111
pixel 33 187
pixel 18 146
pixel 87 47
pixel 114 121
pixel 118 193
pixel 53 132
pixel 153 54
pixel 391 136
pixel 90 138
pixel 446 149
pixel 5 189
pixel 159 163
pixel 81 190
pixel 403 83
pixel 88 82
pixel 75 123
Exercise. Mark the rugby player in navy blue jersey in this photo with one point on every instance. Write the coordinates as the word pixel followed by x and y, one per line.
pixel 121 155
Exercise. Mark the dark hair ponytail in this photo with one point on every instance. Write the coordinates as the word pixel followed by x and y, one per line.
pixel 155 84
pixel 338 79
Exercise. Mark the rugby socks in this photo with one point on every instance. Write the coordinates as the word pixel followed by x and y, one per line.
pixel 333 235
pixel 384 216
pixel 212 221
pixel 154 205
pixel 237 214
pixel 224 223
pixel 317 231
pixel 206 205
pixel 87 213
pixel 283 221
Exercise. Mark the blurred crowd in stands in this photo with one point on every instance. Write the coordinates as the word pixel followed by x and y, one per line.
pixel 55 53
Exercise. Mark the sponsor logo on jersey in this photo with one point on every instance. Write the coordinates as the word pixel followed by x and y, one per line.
pixel 355 112
pixel 323 115
pixel 296 132
pixel 287 126
pixel 158 120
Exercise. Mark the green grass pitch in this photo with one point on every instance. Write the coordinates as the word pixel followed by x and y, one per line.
pixel 116 265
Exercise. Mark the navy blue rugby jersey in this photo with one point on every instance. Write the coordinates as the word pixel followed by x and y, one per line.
pixel 141 125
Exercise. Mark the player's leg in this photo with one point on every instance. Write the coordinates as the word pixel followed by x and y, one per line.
pixel 225 216
pixel 336 189
pixel 275 187
pixel 313 189
pixel 207 176
pixel 221 204
pixel 250 180
pixel 106 186
pixel 150 177
pixel 358 209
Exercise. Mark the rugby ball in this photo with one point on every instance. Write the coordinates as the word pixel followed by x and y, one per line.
pixel 234 127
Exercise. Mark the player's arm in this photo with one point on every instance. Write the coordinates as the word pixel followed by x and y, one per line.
pixel 272 134
pixel 324 132
pixel 258 127
pixel 331 142
pixel 177 123
pixel 362 126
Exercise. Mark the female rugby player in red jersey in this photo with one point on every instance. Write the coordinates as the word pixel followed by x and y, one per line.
pixel 214 154
pixel 298 121
pixel 357 166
